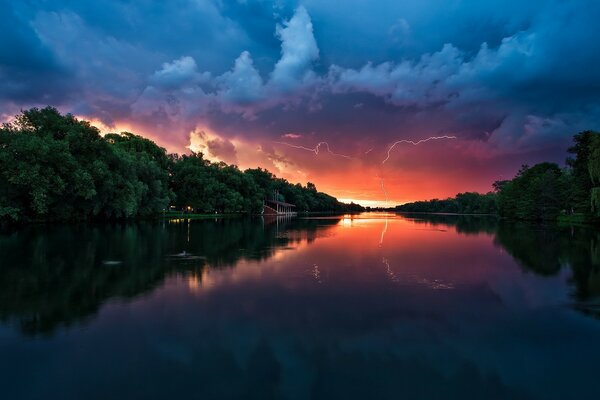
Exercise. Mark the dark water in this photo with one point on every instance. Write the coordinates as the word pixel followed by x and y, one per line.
pixel 372 306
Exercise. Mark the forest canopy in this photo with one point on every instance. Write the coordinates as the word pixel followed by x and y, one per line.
pixel 57 167
pixel 542 192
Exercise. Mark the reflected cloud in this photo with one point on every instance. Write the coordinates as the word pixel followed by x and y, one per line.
pixel 47 283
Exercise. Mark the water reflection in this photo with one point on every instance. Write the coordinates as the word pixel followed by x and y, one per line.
pixel 378 306
pixel 57 276
pixel 541 249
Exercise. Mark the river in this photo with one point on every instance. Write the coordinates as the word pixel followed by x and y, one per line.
pixel 365 306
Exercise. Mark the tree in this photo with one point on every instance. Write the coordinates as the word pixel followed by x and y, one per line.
pixel 594 173
pixel 150 166
pixel 536 193
pixel 40 176
pixel 462 203
pixel 579 199
pixel 56 167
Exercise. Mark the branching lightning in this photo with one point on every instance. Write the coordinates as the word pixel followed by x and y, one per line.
pixel 414 143
pixel 315 149
pixel 407 141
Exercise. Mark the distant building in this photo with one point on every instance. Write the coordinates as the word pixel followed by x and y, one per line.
pixel 276 207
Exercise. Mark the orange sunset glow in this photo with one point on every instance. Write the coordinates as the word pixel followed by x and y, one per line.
pixel 413 172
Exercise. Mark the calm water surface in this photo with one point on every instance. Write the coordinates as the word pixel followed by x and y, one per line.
pixel 370 306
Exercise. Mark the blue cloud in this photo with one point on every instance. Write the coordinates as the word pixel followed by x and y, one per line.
pixel 516 75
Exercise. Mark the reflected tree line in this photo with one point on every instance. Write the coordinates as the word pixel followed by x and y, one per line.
pixel 58 276
pixel 541 249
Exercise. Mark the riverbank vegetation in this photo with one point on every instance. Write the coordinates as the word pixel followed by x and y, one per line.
pixel 55 167
pixel 462 203
pixel 543 192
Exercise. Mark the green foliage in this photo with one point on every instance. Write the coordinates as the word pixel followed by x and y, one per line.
pixel 545 192
pixel 595 201
pixel 594 174
pixel 594 160
pixel 572 219
pixel 306 198
pixel 539 193
pixel 536 193
pixel 463 203
pixel 40 176
pixel 207 187
pixel 150 165
pixel 56 167
pixel 579 199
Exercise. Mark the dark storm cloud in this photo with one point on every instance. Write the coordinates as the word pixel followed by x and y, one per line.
pixel 514 76
pixel 29 70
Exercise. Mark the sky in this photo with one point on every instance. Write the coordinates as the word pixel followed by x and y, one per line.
pixel 262 83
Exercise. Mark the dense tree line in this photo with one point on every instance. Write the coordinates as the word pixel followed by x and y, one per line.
pixel 541 192
pixel 56 167
pixel 463 203
pixel 546 191
pixel 209 187
pixel 536 193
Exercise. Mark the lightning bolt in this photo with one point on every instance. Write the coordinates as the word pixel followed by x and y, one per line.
pixel 407 141
pixel 414 143
pixel 388 270
pixel 383 232
pixel 315 149
pixel 382 183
